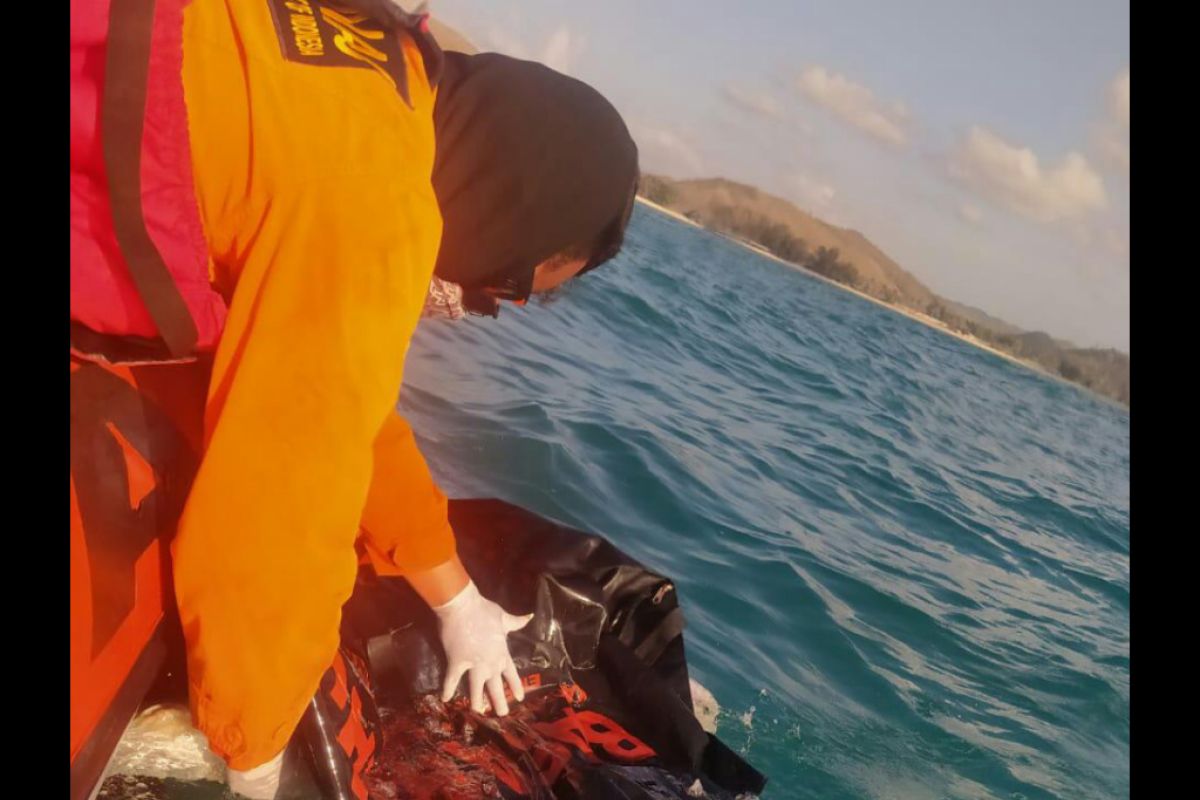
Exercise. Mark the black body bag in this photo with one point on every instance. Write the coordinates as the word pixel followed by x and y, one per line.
pixel 608 707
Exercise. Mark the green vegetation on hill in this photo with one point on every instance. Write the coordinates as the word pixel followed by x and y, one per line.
pixel 745 213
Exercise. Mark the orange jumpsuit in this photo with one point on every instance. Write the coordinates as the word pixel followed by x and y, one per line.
pixel 313 182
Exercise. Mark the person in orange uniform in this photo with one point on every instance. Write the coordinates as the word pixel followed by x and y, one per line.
pixel 322 194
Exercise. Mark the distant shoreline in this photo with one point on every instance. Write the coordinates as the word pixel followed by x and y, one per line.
pixel 912 314
pixel 670 213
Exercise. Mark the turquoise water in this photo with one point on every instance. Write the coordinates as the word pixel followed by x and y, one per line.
pixel 904 561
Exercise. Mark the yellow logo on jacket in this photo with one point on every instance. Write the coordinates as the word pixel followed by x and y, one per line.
pixel 326 34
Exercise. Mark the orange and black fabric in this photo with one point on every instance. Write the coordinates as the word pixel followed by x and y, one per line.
pixel 341 732
pixel 134 444
pixel 608 705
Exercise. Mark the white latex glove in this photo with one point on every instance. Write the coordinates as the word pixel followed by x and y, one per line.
pixel 259 783
pixel 474 631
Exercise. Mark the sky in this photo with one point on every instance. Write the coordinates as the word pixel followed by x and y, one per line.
pixel 983 144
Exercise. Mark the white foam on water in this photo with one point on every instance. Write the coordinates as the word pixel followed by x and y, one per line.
pixel 160 742
pixel 747 720
pixel 704 706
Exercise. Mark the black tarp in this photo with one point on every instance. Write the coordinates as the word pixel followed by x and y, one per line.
pixel 608 712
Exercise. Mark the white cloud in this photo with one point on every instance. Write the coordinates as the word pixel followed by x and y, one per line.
pixel 856 105
pixel 1081 233
pixel 759 103
pixel 500 41
pixel 1110 139
pixel 1116 244
pixel 1112 148
pixel 562 49
pixel 665 150
pixel 1013 176
pixel 814 194
pixel 970 213
pixel 1118 98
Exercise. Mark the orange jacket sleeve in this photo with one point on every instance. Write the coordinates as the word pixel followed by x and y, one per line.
pixel 313 181
pixel 404 523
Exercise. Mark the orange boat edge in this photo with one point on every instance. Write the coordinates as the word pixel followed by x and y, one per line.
pixel 135 437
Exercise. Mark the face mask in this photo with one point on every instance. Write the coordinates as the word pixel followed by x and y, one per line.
pixel 444 300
